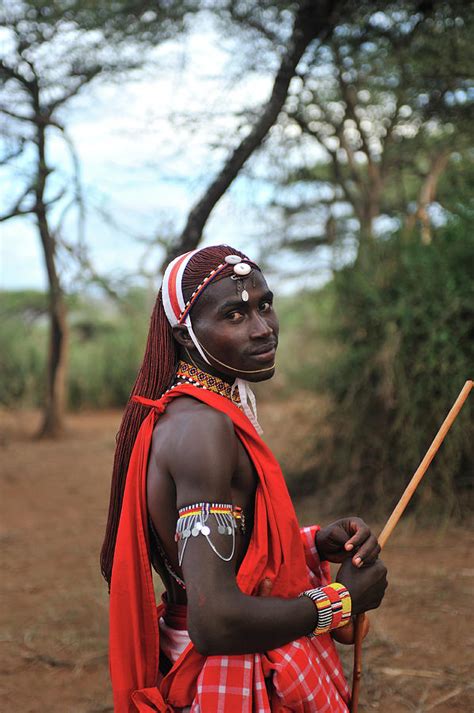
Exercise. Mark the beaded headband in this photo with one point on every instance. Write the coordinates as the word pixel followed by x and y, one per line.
pixel 199 289
pixel 176 309
pixel 178 312
pixel 171 289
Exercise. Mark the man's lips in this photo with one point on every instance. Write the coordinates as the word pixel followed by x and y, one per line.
pixel 265 352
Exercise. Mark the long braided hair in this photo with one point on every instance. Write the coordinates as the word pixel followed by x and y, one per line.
pixel 155 376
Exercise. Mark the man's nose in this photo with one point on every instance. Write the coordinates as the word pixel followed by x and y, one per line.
pixel 260 328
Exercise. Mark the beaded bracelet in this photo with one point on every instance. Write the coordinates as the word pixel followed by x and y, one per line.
pixel 333 604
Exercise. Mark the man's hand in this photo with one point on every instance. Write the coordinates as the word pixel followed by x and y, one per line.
pixel 348 536
pixel 366 586
pixel 346 635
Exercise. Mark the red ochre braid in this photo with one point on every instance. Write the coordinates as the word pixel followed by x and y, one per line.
pixel 155 376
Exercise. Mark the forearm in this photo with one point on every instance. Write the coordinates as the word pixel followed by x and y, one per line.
pixel 244 624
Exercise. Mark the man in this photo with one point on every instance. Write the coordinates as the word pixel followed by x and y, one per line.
pixel 249 612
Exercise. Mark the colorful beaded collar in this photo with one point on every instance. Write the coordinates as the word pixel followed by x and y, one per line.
pixel 192 375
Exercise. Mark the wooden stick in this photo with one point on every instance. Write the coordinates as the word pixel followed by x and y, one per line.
pixel 423 467
pixel 391 523
pixel 357 670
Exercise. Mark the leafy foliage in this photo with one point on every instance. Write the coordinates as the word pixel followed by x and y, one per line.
pixel 407 330
pixel 106 353
pixel 381 109
pixel 106 349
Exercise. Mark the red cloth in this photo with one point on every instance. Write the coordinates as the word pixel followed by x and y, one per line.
pixel 307 675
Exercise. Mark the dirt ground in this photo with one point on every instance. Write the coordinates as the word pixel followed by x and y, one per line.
pixel 418 657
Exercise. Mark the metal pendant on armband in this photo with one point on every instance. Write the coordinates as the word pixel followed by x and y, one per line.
pixel 195 520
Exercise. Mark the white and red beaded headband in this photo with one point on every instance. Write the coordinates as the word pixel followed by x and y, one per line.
pixel 176 309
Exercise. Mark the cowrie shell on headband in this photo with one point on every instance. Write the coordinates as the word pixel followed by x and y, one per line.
pixel 232 259
pixel 242 269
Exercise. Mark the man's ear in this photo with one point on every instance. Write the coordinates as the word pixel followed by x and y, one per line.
pixel 181 334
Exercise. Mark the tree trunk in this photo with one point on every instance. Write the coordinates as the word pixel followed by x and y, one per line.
pixel 54 408
pixel 367 213
pixel 314 19
pixel 427 195
pixel 53 415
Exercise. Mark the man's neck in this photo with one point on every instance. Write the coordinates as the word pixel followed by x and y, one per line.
pixel 199 363
pixel 188 373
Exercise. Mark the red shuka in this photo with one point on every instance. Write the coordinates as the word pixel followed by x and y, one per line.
pixel 306 674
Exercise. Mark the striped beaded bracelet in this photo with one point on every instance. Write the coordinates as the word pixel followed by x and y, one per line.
pixel 333 604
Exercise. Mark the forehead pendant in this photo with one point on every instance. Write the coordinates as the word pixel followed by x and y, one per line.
pixel 241 271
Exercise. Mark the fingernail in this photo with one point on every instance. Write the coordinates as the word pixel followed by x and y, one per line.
pixel 349 546
pixel 357 561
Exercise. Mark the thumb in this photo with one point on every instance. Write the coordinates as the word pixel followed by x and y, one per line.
pixel 265 587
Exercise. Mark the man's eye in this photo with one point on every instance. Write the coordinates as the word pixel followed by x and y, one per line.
pixel 234 316
pixel 265 306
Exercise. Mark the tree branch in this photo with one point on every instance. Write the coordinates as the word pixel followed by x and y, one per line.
pixel 17 117
pixel 337 172
pixel 351 105
pixel 14 153
pixel 245 18
pixel 78 189
pixel 86 78
pixel 16 209
pixel 10 73
pixel 80 255
pixel 307 243
pixel 312 20
pixel 427 195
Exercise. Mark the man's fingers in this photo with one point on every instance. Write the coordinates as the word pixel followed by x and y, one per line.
pixel 360 536
pixel 265 587
pixel 367 553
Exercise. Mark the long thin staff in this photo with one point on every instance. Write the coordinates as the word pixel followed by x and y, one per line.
pixel 392 521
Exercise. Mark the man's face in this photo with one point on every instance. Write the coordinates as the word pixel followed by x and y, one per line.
pixel 243 335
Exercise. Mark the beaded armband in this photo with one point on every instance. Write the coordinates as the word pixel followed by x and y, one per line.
pixel 195 520
pixel 333 604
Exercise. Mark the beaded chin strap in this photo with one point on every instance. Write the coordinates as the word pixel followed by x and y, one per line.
pixel 178 312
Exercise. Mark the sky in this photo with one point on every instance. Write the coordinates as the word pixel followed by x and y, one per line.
pixel 145 160
pixel 143 164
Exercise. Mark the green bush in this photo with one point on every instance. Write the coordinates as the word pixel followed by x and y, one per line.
pixel 23 340
pixel 107 342
pixel 102 369
pixel 407 330
pixel 107 345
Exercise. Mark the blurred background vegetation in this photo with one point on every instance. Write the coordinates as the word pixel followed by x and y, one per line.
pixel 366 142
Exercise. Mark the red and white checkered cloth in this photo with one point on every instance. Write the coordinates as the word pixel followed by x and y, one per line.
pixel 304 676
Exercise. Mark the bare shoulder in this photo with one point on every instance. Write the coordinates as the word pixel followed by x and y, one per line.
pixel 198 445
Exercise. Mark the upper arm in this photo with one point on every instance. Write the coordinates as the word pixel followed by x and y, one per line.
pixel 203 458
pixel 201 463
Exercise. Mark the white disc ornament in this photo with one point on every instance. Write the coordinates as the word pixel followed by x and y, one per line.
pixel 245 296
pixel 242 268
pixel 232 259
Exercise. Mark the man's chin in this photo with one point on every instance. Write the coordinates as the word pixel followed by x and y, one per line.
pixel 262 376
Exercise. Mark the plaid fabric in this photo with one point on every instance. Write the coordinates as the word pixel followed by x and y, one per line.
pixel 306 675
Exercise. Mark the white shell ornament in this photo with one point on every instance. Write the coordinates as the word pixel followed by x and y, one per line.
pixel 245 296
pixel 242 268
pixel 232 259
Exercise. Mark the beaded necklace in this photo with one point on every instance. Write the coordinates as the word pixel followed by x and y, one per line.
pixel 192 375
